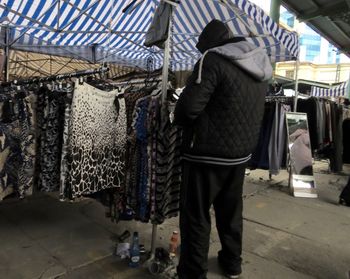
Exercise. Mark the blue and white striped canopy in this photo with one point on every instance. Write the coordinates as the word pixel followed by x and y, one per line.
pixel 99 31
pixel 341 90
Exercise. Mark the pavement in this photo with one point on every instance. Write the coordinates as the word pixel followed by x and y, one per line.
pixel 284 237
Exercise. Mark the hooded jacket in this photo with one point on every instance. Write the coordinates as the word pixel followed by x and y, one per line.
pixel 222 106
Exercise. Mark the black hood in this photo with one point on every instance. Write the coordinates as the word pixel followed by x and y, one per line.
pixel 215 34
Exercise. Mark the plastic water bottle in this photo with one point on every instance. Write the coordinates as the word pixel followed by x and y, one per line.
pixel 174 242
pixel 135 251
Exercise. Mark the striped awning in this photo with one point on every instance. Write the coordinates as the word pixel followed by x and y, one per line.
pixel 99 31
pixel 28 65
pixel 341 90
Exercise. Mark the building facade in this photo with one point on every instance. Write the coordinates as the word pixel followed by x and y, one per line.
pixel 328 73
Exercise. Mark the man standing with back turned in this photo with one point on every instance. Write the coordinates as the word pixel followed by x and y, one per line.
pixel 221 110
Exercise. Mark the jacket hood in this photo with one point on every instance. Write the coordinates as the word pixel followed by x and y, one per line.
pixel 246 56
pixel 215 33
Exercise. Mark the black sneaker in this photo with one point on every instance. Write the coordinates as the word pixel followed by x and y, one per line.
pixel 233 276
pixel 344 202
pixel 227 271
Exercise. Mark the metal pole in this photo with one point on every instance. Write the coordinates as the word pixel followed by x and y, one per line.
pixel 7 54
pixel 166 62
pixel 275 15
pixel 297 64
pixel 275 10
pixel 165 78
pixel 154 239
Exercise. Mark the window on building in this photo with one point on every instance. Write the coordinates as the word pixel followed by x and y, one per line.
pixel 290 21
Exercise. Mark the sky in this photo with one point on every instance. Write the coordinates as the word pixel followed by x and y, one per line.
pixel 265 4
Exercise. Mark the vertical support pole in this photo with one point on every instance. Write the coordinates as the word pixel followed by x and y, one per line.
pixel 296 75
pixel 166 62
pixel 58 14
pixel 165 78
pixel 275 15
pixel 337 73
pixel 275 10
pixel 50 65
pixel 7 54
pixel 27 62
pixel 93 54
pixel 297 64
pixel 154 239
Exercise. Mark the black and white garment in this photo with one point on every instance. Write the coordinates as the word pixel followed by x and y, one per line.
pixel 168 171
pixel 52 108
pixel 17 144
pixel 96 144
pixel 64 155
pixel 28 146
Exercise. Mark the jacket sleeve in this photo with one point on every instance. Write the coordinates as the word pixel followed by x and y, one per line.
pixel 195 97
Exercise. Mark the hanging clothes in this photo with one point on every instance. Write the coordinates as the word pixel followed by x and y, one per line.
pixel 50 111
pixel 158 32
pixel 17 138
pixel 325 120
pixel 346 141
pixel 154 154
pixel 142 140
pixel 96 143
pixel 278 137
pixel 131 98
pixel 168 171
pixel 64 156
pixel 336 157
pixel 260 157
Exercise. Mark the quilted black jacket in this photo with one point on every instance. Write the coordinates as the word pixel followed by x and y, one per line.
pixel 222 106
pixel 222 115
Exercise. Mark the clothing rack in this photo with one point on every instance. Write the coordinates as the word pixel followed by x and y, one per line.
pixel 154 226
pixel 126 83
pixel 283 99
pixel 56 77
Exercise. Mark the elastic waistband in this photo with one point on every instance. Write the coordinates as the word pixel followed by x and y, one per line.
pixel 216 160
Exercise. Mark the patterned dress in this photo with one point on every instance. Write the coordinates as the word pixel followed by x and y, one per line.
pixel 97 139
pixel 17 144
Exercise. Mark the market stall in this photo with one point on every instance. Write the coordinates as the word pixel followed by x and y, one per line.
pixel 114 32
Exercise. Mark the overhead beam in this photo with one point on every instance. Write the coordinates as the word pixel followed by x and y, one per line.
pixel 69 55
pixel 275 10
pixel 63 66
pixel 130 41
pixel 345 34
pixel 81 12
pixel 41 71
pixel 27 17
pixel 328 10
pixel 41 66
pixel 238 15
pixel 39 18
pixel 40 28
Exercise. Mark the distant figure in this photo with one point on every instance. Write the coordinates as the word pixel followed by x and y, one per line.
pixel 344 198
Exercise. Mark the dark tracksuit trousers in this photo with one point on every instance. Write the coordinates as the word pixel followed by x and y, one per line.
pixel 345 194
pixel 205 185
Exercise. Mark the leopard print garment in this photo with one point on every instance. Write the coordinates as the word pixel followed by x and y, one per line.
pixel 97 141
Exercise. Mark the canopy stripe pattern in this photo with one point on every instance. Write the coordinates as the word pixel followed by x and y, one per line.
pixel 98 30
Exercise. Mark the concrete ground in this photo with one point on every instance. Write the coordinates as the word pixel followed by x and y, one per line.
pixel 284 237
